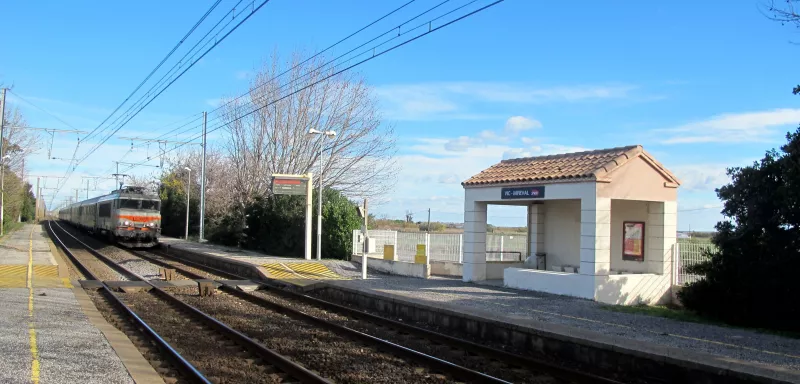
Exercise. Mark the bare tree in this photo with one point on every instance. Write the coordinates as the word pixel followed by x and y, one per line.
pixel 785 12
pixel 269 131
pixel 18 142
pixel 219 195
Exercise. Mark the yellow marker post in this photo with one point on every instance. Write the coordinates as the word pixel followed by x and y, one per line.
pixel 420 257
pixel 388 252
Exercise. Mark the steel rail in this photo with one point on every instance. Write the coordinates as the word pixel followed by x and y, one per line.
pixel 271 357
pixel 435 362
pixel 183 365
pixel 523 361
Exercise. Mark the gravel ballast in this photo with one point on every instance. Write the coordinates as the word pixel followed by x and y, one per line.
pixel 330 354
pixel 731 342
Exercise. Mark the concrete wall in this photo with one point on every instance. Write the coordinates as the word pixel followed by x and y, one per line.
pixel 621 211
pixel 637 180
pixel 559 283
pixel 494 269
pixel 632 289
pixel 399 268
pixel 562 232
pixel 446 268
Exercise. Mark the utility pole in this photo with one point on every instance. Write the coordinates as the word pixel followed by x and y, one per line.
pixel 203 183
pixel 428 229
pixel 38 197
pixel 2 157
pixel 87 189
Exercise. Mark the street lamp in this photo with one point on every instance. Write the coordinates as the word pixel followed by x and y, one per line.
pixel 188 190
pixel 330 135
pixel 2 190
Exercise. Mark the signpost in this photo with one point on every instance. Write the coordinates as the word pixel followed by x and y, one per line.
pixel 297 185
pixel 536 192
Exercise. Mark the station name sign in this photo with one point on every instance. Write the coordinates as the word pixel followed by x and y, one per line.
pixel 522 193
pixel 283 185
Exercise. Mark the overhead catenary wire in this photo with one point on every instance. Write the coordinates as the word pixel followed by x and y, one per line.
pixel 366 51
pixel 374 56
pixel 165 87
pixel 179 64
pixel 177 45
pixel 217 41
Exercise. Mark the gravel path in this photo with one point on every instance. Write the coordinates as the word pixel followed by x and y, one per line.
pixel 736 343
pixel 333 356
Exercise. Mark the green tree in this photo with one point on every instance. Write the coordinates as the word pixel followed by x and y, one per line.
pixel 275 225
pixel 750 277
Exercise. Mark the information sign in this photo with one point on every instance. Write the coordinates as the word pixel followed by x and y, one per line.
pixel 282 185
pixel 522 192
pixel 633 240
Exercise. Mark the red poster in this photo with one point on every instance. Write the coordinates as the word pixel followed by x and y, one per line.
pixel 633 240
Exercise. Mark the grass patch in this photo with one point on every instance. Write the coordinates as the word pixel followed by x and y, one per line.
pixel 680 314
pixel 11 227
pixel 669 312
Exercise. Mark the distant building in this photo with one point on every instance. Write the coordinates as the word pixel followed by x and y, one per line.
pixel 684 235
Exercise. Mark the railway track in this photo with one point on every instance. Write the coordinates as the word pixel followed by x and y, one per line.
pixel 239 354
pixel 456 357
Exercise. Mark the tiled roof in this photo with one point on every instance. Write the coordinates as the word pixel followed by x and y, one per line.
pixel 577 166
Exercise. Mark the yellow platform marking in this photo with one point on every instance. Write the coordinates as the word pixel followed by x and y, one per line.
pixel 41 276
pixel 31 329
pixel 314 271
pixel 279 271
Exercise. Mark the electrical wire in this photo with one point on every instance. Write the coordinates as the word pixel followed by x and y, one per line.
pixel 180 42
pixel 375 55
pixel 326 49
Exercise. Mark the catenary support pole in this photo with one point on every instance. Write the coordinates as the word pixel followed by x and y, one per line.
pixel 319 201
pixel 203 183
pixel 366 242
pixel 309 214
pixel 188 191
pixel 2 159
pixel 38 197
pixel 428 229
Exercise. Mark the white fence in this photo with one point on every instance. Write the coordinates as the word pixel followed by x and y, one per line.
pixel 443 246
pixel 691 253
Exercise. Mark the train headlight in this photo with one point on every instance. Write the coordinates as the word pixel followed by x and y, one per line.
pixel 126 223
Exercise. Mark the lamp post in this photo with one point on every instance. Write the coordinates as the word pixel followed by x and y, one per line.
pixel 330 135
pixel 2 190
pixel 188 190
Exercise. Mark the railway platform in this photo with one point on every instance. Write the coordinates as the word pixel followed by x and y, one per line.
pixel 50 331
pixel 571 323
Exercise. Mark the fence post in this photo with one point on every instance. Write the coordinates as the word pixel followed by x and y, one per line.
pixel 394 257
pixel 428 246
pixel 676 260
pixel 501 247
pixel 460 248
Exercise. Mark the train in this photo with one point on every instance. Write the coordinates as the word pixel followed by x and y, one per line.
pixel 129 216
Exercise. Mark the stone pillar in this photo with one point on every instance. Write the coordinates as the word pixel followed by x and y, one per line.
pixel 474 241
pixel 536 216
pixel 660 236
pixel 595 236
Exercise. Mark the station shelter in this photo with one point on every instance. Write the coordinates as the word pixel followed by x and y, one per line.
pixel 601 224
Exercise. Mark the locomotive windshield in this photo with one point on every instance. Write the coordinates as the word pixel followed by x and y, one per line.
pixel 139 204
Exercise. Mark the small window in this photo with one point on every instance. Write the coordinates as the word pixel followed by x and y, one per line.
pixel 105 210
pixel 130 204
pixel 151 204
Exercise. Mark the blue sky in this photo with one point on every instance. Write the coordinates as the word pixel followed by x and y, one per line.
pixel 702 85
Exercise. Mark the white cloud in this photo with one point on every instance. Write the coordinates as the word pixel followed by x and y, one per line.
pixel 517 124
pixel 732 127
pixel 460 100
pixel 701 177
pixel 214 103
pixel 242 75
